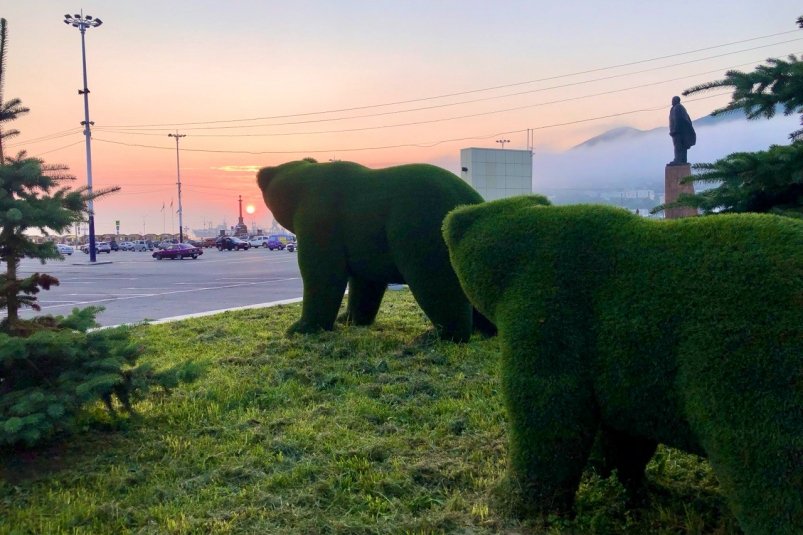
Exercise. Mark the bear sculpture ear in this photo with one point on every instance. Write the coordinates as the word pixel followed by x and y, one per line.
pixel 457 222
pixel 264 176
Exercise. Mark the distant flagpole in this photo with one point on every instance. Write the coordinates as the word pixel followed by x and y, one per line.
pixel 172 220
pixel 164 224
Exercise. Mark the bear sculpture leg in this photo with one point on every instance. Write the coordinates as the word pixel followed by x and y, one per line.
pixel 365 297
pixel 628 455
pixel 323 290
pixel 553 425
pixel 440 297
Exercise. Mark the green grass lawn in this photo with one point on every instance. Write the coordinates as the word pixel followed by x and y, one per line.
pixel 362 430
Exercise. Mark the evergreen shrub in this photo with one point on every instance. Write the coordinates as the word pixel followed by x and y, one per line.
pixel 58 369
pixel 637 332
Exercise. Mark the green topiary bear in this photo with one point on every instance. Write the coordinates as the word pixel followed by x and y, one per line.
pixel 685 332
pixel 369 228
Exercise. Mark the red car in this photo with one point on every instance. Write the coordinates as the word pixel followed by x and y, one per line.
pixel 178 250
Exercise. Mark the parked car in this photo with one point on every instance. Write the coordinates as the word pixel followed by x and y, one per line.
pixel 142 245
pixel 274 243
pixel 178 250
pixel 283 239
pixel 291 247
pixel 113 245
pixel 65 249
pixel 228 243
pixel 194 243
pixel 259 241
pixel 209 242
pixel 100 247
pixel 126 246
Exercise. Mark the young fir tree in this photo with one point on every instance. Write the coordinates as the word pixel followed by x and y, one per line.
pixel 33 195
pixel 53 368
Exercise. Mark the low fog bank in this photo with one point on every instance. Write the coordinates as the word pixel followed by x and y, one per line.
pixel 637 159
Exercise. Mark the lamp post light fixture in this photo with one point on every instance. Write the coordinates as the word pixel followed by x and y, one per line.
pixel 503 141
pixel 178 176
pixel 82 23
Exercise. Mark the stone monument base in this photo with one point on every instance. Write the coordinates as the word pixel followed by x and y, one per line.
pixel 673 188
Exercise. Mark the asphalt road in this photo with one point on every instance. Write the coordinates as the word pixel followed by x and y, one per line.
pixel 134 286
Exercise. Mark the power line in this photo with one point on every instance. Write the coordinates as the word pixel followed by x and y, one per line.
pixel 718 70
pixel 466 116
pixel 459 93
pixel 452 104
pixel 420 145
pixel 64 147
pixel 109 129
pixel 47 137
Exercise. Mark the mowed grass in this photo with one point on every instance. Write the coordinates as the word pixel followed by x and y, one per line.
pixel 361 430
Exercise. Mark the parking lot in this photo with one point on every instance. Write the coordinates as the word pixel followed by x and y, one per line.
pixel 134 287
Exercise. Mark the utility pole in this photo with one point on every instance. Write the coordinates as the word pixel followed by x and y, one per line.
pixel 82 23
pixel 178 175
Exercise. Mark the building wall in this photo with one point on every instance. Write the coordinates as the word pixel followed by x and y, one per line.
pixel 497 173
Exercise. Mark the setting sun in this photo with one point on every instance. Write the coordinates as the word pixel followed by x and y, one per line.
pixel 250 209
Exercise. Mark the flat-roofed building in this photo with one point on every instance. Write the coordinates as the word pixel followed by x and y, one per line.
pixel 497 173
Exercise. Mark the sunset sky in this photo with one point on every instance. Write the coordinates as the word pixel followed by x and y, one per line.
pixel 261 82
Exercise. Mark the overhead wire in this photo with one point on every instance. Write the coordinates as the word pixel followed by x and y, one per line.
pixel 60 148
pixel 110 129
pixel 460 103
pixel 404 145
pixel 444 119
pixel 56 135
pixel 47 137
pixel 459 93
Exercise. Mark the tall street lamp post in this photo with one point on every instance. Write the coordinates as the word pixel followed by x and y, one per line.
pixel 82 23
pixel 178 178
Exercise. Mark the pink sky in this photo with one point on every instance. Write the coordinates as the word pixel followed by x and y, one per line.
pixel 168 63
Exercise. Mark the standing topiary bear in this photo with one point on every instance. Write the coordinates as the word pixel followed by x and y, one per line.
pixel 369 228
pixel 685 332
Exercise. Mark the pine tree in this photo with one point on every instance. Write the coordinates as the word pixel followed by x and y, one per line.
pixel 778 83
pixel 12 109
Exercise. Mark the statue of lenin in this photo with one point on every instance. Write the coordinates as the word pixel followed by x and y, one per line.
pixel 681 130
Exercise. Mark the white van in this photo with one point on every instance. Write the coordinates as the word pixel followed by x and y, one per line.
pixel 141 245
pixel 259 241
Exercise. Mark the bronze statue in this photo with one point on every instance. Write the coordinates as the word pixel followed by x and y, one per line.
pixel 681 130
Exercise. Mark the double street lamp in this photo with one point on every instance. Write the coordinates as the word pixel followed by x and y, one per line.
pixel 82 23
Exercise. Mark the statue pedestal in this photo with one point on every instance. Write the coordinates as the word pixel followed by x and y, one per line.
pixel 673 188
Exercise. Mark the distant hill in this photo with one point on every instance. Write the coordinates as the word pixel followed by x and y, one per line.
pixel 624 133
pixel 616 134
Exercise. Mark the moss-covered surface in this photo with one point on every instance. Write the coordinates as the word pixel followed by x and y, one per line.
pixel 687 333
pixel 367 228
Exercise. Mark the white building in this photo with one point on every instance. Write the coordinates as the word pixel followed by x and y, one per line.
pixel 497 173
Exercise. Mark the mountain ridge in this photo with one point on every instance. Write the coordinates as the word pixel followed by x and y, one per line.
pixel 628 132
